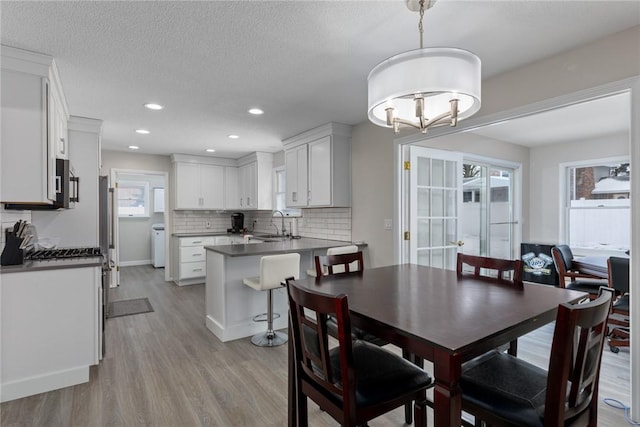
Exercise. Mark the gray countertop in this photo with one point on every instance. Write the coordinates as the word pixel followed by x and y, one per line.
pixel 285 246
pixel 211 233
pixel 52 264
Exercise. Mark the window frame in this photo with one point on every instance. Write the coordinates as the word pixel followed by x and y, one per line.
pixel 288 212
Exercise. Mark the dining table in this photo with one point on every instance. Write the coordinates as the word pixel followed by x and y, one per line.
pixel 439 316
pixel 594 265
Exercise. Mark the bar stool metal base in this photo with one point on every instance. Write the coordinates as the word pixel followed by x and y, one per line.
pixel 269 339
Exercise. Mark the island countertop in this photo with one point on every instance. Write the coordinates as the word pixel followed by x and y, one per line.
pixel 280 247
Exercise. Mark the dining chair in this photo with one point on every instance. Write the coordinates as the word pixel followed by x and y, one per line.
pixel 619 335
pixel 337 250
pixel 577 281
pixel 339 263
pixel 493 270
pixel 500 389
pixel 354 381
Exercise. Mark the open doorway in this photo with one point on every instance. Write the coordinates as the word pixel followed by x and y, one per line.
pixel 140 219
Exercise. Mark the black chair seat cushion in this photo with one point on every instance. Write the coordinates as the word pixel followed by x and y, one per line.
pixel 506 386
pixel 380 374
pixel 622 303
pixel 586 285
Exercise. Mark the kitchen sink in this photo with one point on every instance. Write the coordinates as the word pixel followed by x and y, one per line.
pixel 269 236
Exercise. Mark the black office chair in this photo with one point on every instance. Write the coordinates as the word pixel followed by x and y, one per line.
pixel 619 332
pixel 500 389
pixel 354 381
pixel 577 281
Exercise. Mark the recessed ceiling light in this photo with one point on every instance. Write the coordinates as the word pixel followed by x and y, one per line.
pixel 210 150
pixel 143 131
pixel 134 147
pixel 152 106
pixel 255 111
pixel 233 137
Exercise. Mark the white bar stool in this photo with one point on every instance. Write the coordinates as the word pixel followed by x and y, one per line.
pixel 338 250
pixel 274 269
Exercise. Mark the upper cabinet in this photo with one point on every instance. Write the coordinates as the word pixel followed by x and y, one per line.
pixel 318 164
pixel 198 185
pixel 255 181
pixel 34 126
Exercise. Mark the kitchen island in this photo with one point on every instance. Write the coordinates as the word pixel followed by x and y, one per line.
pixel 231 305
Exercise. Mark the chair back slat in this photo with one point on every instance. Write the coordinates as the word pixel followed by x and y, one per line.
pixel 504 270
pixel 576 354
pixel 328 262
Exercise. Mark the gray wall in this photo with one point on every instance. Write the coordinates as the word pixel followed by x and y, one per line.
pixel 135 233
pixel 608 60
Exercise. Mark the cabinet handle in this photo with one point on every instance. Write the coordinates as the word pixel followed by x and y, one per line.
pixel 294 196
pixel 240 201
pixel 197 241
pixel 58 184
pixel 196 255
pixel 197 269
pixel 248 201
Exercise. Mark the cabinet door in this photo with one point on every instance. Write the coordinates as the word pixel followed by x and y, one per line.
pixel 320 172
pixel 296 185
pixel 247 180
pixel 212 187
pixel 188 186
pixel 231 190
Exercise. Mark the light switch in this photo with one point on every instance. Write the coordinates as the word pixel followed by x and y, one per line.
pixel 388 224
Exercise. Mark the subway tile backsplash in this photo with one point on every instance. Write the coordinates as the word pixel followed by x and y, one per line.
pixel 325 223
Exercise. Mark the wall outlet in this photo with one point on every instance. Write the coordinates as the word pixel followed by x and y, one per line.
pixel 207 224
pixel 388 224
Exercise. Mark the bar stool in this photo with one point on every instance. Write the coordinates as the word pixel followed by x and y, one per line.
pixel 274 269
pixel 338 250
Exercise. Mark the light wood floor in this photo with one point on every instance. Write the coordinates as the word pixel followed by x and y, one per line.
pixel 166 369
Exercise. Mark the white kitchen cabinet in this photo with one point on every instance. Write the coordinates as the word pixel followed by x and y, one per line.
pixel 255 181
pixel 231 189
pixel 191 259
pixel 58 129
pixel 325 179
pixel 199 186
pixel 296 176
pixel 51 323
pixel 31 92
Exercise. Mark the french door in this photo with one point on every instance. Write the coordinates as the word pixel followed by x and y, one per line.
pixel 433 181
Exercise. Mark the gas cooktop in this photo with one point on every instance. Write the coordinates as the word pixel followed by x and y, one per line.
pixel 44 254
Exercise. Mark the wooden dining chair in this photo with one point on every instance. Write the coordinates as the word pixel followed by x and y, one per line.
pixel 502 390
pixel 493 270
pixel 619 323
pixel 571 278
pixel 337 250
pixel 354 381
pixel 339 263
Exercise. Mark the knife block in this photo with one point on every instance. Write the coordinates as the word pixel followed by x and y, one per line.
pixel 12 254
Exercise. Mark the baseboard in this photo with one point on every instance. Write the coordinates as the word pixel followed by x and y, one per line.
pixel 132 263
pixel 242 330
pixel 43 383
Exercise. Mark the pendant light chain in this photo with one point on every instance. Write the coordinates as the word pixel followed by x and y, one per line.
pixel 420 29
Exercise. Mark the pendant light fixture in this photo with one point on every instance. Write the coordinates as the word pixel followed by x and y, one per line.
pixel 424 87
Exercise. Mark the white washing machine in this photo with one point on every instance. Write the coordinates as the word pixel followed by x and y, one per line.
pixel 157 245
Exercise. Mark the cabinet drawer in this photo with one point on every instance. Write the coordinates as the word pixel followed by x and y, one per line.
pixel 192 253
pixel 192 269
pixel 197 241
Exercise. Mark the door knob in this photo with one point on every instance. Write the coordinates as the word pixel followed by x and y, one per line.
pixel 459 243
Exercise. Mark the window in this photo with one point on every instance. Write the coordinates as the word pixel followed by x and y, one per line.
pixel 133 199
pixel 280 193
pixel 598 206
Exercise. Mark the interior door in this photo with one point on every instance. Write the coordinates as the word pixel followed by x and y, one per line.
pixel 434 199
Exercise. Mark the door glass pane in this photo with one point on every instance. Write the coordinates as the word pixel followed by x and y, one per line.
pixel 437 232
pixel 450 258
pixel 424 171
pixel 437 203
pixel 451 227
pixel 423 202
pixel 451 178
pixel 437 174
pixel 422 256
pixel 437 258
pixel 423 233
pixel 451 203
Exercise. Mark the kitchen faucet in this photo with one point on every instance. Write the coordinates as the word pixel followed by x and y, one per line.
pixel 281 214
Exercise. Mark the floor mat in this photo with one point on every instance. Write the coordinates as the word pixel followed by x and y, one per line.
pixel 128 307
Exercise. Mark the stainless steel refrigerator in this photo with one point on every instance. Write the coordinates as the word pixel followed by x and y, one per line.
pixel 105 203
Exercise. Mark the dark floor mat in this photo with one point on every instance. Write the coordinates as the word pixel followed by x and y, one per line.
pixel 128 307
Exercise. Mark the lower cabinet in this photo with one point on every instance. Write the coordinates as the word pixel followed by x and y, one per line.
pixel 192 258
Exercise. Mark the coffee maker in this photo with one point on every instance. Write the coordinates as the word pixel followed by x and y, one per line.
pixel 237 222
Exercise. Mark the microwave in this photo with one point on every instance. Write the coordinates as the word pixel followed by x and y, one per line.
pixel 67 190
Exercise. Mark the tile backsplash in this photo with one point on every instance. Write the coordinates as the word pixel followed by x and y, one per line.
pixel 325 223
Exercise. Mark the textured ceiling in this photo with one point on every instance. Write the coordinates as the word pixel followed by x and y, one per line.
pixel 304 62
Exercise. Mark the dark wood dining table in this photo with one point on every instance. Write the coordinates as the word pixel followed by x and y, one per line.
pixel 440 317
